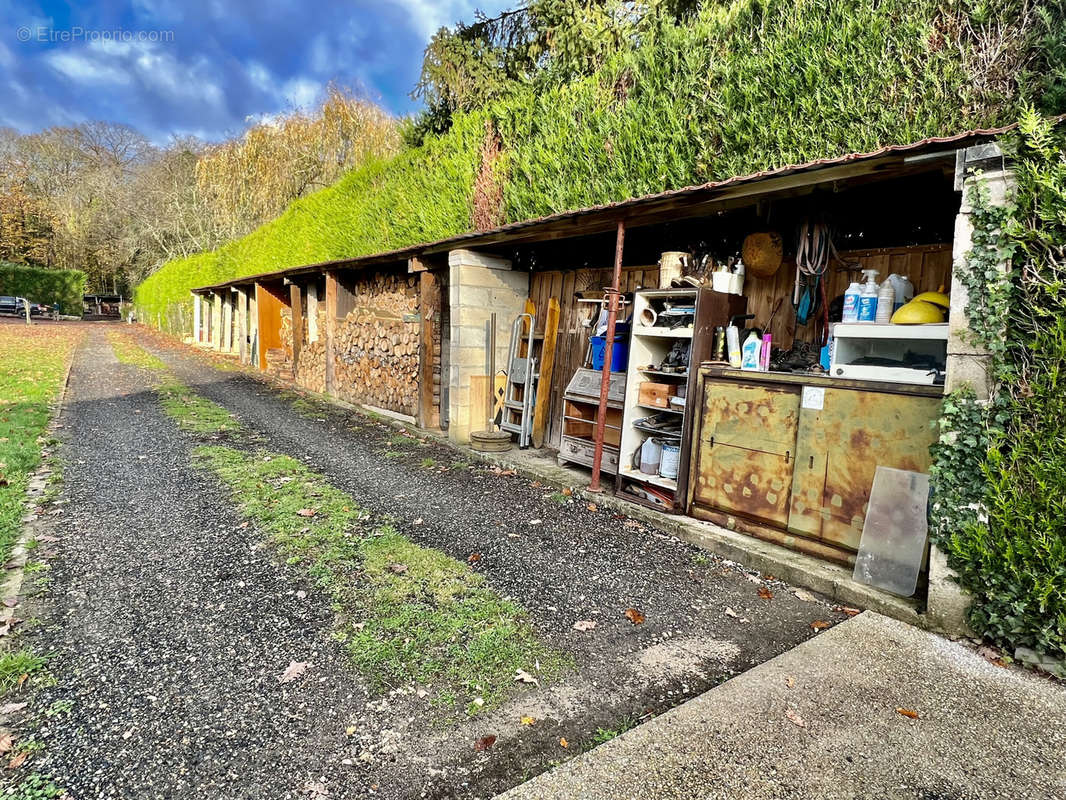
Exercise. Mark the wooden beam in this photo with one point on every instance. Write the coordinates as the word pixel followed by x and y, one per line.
pixel 216 322
pixel 227 322
pixel 547 365
pixel 296 305
pixel 331 331
pixel 429 304
pixel 416 264
pixel 197 303
pixel 312 312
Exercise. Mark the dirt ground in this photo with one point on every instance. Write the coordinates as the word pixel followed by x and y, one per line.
pixel 169 620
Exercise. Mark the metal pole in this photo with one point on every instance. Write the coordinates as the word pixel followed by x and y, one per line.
pixel 492 373
pixel 612 316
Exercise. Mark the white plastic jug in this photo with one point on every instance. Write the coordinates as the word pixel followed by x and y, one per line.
pixel 651 453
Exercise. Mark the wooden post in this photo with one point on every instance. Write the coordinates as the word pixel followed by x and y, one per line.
pixel 429 305
pixel 242 325
pixel 297 325
pixel 312 311
pixel 331 330
pixel 227 321
pixel 196 303
pixel 216 322
pixel 547 366
pixel 253 319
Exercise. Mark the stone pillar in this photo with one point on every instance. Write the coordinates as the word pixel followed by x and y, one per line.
pixel 478 286
pixel 242 325
pixel 196 303
pixel 227 321
pixel 312 311
pixel 253 327
pixel 216 321
pixel 967 362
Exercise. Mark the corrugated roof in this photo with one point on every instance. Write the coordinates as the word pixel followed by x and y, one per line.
pixel 500 234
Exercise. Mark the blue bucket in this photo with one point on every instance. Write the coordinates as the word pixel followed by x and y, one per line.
pixel 619 353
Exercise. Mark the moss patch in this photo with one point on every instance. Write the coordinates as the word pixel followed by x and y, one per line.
pixel 194 413
pixel 410 613
pixel 129 352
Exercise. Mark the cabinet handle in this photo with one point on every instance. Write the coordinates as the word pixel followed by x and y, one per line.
pixel 788 455
pixel 812 463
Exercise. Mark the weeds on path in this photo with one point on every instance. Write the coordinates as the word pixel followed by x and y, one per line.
pixel 194 413
pixel 129 352
pixel 411 613
pixel 33 363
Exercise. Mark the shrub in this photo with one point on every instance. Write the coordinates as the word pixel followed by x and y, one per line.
pixel 42 285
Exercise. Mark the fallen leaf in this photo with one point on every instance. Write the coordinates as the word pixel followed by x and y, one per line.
pixel 293 671
pixel 563 743
pixel 584 625
pixel 527 720
pixel 634 616
pixel 316 790
pixel 11 708
pixel 753 578
pixel 765 593
pixel 25 676
pixel 307 512
pixel 473 558
pixel 790 681
pixel 19 758
pixel 536 484
pixel 906 712
pixel 795 718
pixel 592 507
pixel 568 491
pixel 6 743
pixel 804 595
pixel 484 743
pixel 820 624
pixel 521 676
pixel 350 730
pixel 851 612
pixel 11 602
pixel 399 569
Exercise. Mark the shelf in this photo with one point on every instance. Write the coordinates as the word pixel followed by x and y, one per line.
pixel 657 408
pixel 648 371
pixel 886 330
pixel 664 333
pixel 582 419
pixel 654 480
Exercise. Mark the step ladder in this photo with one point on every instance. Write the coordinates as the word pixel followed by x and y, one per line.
pixel 522 373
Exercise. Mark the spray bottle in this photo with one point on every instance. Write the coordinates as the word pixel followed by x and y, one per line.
pixel 868 298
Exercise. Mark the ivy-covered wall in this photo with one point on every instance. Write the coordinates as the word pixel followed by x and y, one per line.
pixel 999 506
pixel 742 86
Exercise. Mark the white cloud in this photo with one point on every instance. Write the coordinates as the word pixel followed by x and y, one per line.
pixel 427 17
pixel 86 68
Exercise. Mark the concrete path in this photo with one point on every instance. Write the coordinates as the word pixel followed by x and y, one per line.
pixel 820 721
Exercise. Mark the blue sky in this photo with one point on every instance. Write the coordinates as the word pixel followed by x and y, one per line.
pixel 206 67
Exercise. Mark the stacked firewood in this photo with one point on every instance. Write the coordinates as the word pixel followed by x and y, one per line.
pixel 377 352
pixel 311 367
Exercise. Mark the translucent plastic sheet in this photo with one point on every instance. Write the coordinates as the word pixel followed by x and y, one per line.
pixel 893 535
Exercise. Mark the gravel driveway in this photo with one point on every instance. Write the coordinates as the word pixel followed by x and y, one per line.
pixel 170 622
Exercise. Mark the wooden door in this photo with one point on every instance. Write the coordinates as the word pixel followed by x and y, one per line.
pixel 746 448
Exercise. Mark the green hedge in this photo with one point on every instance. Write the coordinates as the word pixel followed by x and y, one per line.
pixel 41 285
pixel 742 86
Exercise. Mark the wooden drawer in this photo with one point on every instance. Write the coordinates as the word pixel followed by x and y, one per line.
pixel 581 451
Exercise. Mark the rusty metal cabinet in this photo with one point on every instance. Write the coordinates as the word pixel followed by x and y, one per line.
pixel 791 458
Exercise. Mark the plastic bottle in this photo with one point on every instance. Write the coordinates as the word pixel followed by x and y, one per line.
pixel 886 300
pixel 868 298
pixel 851 302
pixel 732 336
pixel 749 355
pixel 904 290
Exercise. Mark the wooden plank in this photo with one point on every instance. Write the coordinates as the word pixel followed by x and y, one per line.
pixel 242 325
pixel 296 305
pixel 429 303
pixel 331 332
pixel 547 365
pixel 479 402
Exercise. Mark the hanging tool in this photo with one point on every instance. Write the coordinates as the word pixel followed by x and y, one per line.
pixel 519 399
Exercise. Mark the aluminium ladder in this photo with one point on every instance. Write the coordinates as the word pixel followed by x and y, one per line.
pixel 522 373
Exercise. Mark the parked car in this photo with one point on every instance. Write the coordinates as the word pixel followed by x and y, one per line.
pixel 17 306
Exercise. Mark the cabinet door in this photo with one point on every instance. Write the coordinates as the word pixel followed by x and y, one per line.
pixel 840 446
pixel 747 441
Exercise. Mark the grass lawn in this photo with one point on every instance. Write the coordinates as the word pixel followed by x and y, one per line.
pixel 33 363
pixel 129 352
pixel 411 614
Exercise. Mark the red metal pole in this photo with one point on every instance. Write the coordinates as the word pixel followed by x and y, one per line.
pixel 612 317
